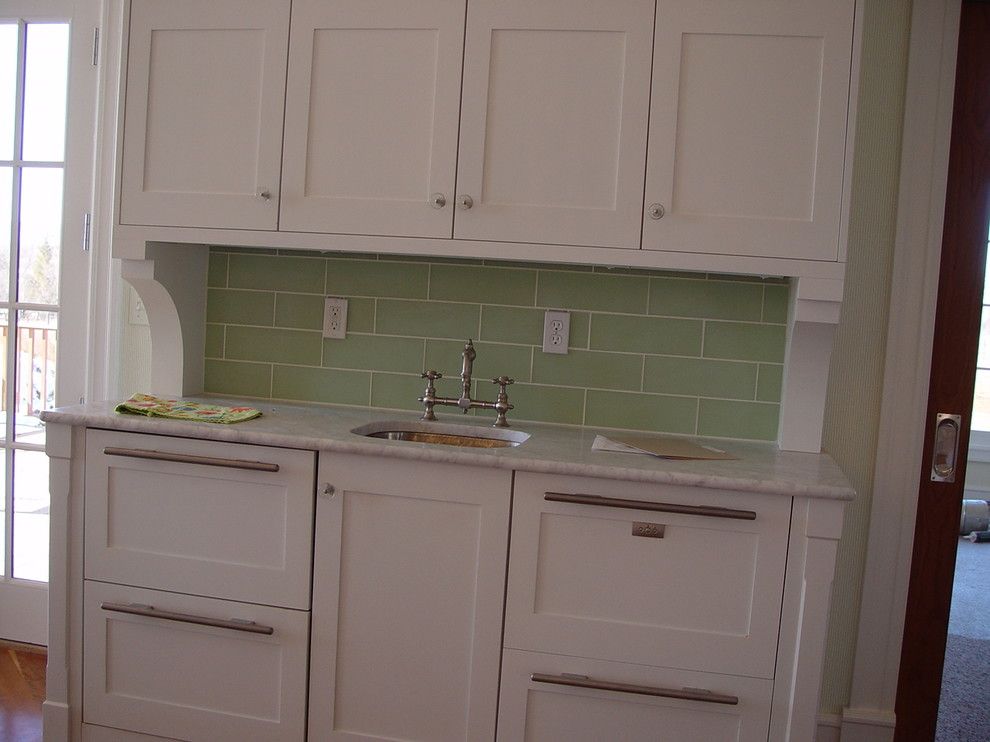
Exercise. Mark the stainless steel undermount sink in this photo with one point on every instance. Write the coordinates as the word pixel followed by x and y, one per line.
pixel 442 434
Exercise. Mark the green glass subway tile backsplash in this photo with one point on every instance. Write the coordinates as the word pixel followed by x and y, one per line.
pixel 649 350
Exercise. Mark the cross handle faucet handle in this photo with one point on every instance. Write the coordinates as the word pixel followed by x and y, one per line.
pixel 431 375
pixel 503 381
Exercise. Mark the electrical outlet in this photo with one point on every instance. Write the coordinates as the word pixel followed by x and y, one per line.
pixel 556 331
pixel 334 317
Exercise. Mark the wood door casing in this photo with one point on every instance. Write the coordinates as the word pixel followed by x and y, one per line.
pixel 953 373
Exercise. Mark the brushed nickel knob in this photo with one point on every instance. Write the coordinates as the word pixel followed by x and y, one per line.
pixel 328 491
pixel 656 211
pixel 264 194
pixel 465 201
pixel 438 200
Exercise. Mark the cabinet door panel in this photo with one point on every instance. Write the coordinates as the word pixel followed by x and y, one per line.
pixel 747 130
pixel 194 682
pixel 410 574
pixel 553 122
pixel 371 117
pixel 684 590
pixel 542 711
pixel 203 113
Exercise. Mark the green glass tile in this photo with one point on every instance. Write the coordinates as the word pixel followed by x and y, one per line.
pixel 377 278
pixel 512 325
pixel 301 275
pixel 546 404
pixel 492 360
pixel 620 271
pixel 299 311
pixel 397 391
pixel 360 314
pixel 539 266
pixel 243 250
pixel 217 272
pixel 744 341
pixel 653 412
pixel 770 383
pixel 230 306
pixel 775 300
pixel 699 377
pixel 580 328
pixel 214 341
pixel 274 345
pixel 706 299
pixel 431 259
pixel 334 255
pixel 483 284
pixel 751 420
pixel 321 385
pixel 636 334
pixel 242 379
pixel 595 291
pixel 283 252
pixel 374 353
pixel 741 278
pixel 427 319
pixel 589 369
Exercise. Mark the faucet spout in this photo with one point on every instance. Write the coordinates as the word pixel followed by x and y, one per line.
pixel 468 357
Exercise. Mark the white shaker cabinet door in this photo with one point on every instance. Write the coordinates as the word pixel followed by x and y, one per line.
pixel 748 127
pixel 203 115
pixel 554 121
pixel 371 117
pixel 407 605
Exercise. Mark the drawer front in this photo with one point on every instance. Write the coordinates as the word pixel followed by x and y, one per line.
pixel 538 703
pixel 94 733
pixel 174 677
pixel 608 577
pixel 224 527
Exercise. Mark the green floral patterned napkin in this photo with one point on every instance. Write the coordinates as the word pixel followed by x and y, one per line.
pixel 145 404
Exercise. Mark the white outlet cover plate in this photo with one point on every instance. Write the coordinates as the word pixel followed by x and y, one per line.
pixel 556 331
pixel 335 317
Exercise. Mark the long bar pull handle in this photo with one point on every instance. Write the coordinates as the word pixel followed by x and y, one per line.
pixel 186 458
pixel 658 507
pixel 137 609
pixel 685 694
pixel 945 449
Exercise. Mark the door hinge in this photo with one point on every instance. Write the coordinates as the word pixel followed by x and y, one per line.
pixel 87 231
pixel 96 46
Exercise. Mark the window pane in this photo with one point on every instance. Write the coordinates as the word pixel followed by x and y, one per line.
pixel 4 336
pixel 8 88
pixel 31 506
pixel 981 401
pixel 35 374
pixel 45 80
pixel 6 207
pixel 3 512
pixel 40 236
pixel 983 357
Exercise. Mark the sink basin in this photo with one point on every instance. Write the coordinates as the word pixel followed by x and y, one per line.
pixel 442 434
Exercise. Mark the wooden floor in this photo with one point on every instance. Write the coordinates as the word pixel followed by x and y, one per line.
pixel 22 690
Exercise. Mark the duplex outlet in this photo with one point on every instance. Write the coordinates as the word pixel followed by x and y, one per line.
pixel 556 331
pixel 334 317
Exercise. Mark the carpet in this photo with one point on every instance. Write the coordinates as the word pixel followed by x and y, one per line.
pixel 964 708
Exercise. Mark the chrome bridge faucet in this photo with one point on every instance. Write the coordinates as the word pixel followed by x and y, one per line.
pixel 500 405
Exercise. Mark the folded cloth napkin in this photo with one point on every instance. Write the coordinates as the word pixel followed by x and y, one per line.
pixel 145 404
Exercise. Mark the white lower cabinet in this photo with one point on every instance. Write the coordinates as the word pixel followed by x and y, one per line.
pixel 549 698
pixel 408 588
pixel 193 668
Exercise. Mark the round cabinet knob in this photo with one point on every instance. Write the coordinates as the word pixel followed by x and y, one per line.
pixel 656 211
pixel 465 201
pixel 328 491
pixel 264 194
pixel 438 200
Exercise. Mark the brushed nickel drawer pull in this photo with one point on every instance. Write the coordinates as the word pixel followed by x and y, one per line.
pixel 235 624
pixel 660 507
pixel 684 694
pixel 187 458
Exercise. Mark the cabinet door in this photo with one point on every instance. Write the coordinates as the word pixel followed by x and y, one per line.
pixel 688 585
pixel 371 117
pixel 748 125
pixel 407 604
pixel 203 113
pixel 165 674
pixel 554 121
pixel 536 702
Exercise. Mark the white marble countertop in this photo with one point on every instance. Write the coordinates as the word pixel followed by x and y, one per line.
pixel 553 449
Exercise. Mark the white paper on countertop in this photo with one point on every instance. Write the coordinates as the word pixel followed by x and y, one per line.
pixel 661 447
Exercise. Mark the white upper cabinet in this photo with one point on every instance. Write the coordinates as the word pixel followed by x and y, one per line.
pixel 553 122
pixel 371 117
pixel 203 113
pixel 748 127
